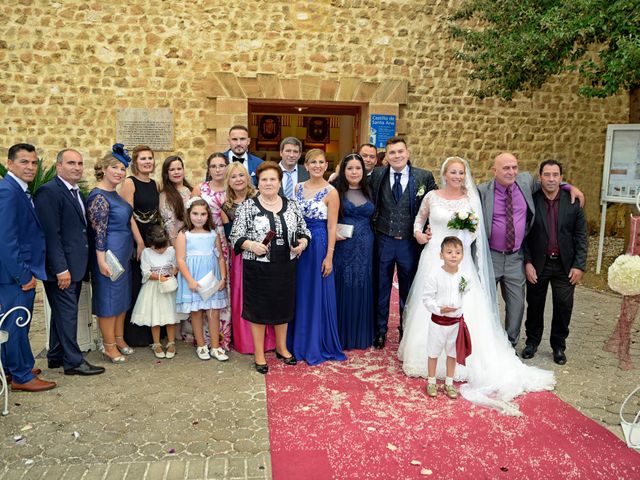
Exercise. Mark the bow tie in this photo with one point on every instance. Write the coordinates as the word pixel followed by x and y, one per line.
pixel 238 159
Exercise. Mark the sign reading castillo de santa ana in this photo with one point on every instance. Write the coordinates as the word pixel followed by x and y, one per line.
pixel 382 128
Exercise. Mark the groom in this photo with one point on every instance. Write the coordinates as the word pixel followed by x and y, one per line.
pixel 398 190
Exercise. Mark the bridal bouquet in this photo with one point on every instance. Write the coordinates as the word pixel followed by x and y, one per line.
pixel 464 221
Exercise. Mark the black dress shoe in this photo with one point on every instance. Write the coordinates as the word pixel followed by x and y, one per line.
pixel 287 360
pixel 559 357
pixel 379 341
pixel 51 364
pixel 529 351
pixel 262 368
pixel 85 368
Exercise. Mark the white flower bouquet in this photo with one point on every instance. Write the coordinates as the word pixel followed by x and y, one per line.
pixel 624 275
pixel 464 221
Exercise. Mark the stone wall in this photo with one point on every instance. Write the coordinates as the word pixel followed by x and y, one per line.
pixel 67 66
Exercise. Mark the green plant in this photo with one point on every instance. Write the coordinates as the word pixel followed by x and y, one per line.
pixel 44 175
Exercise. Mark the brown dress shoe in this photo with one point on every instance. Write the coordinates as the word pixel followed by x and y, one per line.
pixel 33 385
pixel 35 371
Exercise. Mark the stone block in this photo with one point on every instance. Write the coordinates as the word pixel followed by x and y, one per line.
pixel 230 84
pixel 347 89
pixel 290 88
pixel 365 92
pixel 310 87
pixel 392 91
pixel 231 106
pixel 270 85
pixel 251 87
pixel 328 90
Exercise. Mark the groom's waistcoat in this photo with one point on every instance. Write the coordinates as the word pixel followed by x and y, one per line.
pixel 394 219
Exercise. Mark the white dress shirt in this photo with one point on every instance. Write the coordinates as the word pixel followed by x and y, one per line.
pixel 404 179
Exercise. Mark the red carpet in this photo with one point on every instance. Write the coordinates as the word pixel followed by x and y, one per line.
pixel 364 419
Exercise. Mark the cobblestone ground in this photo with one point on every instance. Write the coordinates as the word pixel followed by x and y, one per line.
pixel 184 419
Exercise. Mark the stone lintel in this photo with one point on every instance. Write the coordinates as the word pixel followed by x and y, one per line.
pixel 269 85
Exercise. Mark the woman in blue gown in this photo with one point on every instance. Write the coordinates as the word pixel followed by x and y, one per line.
pixel 313 335
pixel 110 219
pixel 353 259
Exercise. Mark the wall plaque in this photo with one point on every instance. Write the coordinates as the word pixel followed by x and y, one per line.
pixel 145 126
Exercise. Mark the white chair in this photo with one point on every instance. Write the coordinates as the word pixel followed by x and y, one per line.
pixel 631 429
pixel 4 337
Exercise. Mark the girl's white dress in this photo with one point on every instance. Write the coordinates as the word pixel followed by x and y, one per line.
pixel 154 308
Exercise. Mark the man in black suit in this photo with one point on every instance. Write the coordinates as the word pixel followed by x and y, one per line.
pixel 398 190
pixel 555 252
pixel 62 212
pixel 293 172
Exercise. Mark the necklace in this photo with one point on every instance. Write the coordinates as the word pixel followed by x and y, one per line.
pixel 266 202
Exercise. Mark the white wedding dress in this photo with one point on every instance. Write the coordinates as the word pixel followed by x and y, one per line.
pixel 494 375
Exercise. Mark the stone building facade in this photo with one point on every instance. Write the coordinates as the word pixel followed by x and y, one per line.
pixel 67 66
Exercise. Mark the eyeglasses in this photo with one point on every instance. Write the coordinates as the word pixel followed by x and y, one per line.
pixel 218 167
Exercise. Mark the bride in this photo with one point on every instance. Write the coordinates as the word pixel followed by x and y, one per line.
pixel 494 375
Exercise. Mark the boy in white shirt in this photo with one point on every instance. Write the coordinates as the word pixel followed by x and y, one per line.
pixel 443 293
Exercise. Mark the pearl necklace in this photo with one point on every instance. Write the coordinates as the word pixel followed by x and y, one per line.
pixel 269 204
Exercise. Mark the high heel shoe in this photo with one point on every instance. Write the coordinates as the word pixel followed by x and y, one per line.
pixel 287 360
pixel 106 356
pixel 262 368
pixel 125 350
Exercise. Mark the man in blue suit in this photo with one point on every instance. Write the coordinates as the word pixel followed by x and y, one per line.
pixel 62 212
pixel 398 190
pixel 239 141
pixel 21 263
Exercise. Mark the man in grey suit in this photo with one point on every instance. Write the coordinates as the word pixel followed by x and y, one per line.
pixel 293 173
pixel 509 212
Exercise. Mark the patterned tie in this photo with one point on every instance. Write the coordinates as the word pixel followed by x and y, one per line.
pixel 29 196
pixel 511 231
pixel 288 184
pixel 397 187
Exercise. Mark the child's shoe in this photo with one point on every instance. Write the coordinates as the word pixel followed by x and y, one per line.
pixel 432 389
pixel 219 354
pixel 203 353
pixel 450 391
pixel 157 350
pixel 171 350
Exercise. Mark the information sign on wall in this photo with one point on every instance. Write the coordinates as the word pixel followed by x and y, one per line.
pixel 382 128
pixel 145 126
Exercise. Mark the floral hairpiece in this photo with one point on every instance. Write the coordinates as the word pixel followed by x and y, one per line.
pixel 120 153
pixel 192 200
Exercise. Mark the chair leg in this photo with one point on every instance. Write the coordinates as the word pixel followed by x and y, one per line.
pixel 4 390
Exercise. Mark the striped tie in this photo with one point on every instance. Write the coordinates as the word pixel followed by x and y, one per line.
pixel 511 231
pixel 288 185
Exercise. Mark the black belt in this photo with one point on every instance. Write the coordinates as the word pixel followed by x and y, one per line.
pixel 553 256
pixel 505 252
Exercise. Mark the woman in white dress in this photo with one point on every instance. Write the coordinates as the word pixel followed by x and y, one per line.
pixel 494 374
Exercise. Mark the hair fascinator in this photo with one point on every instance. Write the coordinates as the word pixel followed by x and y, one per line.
pixel 120 153
pixel 192 200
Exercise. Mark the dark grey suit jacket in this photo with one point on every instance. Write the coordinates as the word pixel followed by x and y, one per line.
pixel 571 231
pixel 303 176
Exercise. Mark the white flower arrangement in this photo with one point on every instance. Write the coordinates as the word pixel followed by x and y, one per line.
pixel 421 191
pixel 464 221
pixel 624 275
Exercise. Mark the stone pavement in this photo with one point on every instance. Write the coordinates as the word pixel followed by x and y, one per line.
pixel 187 419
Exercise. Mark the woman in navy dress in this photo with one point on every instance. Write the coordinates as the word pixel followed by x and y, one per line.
pixel 353 259
pixel 313 335
pixel 110 218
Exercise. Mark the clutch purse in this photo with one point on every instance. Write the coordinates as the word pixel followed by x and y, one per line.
pixel 169 285
pixel 208 285
pixel 344 230
pixel 114 265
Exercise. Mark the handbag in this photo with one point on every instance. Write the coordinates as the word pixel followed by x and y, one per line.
pixel 169 285
pixel 114 265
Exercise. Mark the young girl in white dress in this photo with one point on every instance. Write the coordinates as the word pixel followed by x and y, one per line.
pixel 198 252
pixel 156 304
